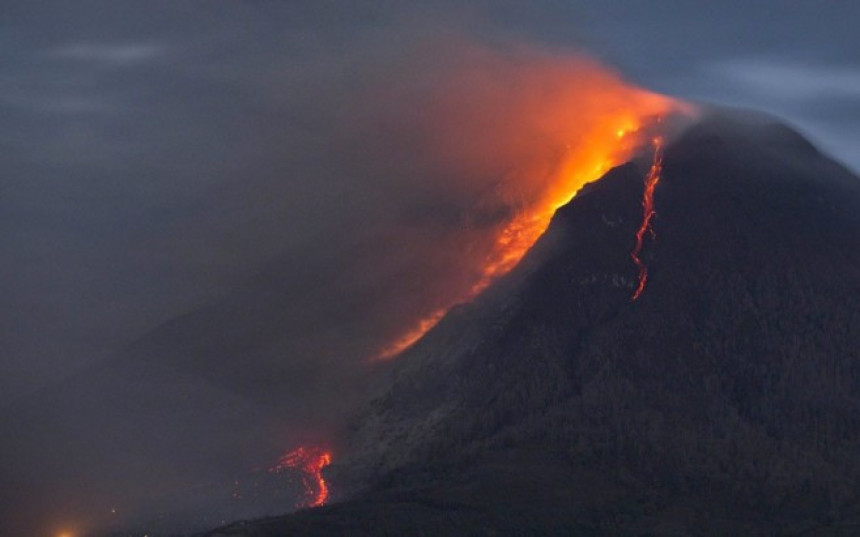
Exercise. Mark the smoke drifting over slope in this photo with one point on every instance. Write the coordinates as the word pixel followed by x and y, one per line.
pixel 319 197
pixel 157 153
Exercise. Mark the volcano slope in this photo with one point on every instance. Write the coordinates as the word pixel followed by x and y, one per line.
pixel 725 400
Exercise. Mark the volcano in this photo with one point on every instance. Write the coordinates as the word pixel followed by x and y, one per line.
pixel 723 400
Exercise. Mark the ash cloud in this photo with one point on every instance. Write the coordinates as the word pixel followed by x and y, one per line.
pixel 214 217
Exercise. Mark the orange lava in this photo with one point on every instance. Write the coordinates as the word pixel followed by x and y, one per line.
pixel 648 214
pixel 309 461
pixel 556 125
pixel 414 334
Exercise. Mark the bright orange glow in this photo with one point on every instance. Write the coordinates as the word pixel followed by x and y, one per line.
pixel 648 214
pixel 309 461
pixel 409 338
pixel 564 124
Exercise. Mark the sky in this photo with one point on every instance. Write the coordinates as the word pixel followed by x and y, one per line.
pixel 156 156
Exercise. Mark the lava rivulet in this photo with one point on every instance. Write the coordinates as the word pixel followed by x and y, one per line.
pixel 557 132
pixel 648 214
pixel 309 462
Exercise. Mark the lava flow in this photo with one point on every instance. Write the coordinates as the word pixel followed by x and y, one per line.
pixel 558 131
pixel 309 461
pixel 648 214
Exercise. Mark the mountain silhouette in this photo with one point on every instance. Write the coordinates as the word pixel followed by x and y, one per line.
pixel 725 400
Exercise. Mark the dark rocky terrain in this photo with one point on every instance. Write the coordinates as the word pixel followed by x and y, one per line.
pixel 725 401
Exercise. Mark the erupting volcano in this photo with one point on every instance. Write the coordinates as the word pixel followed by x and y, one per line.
pixel 309 461
pixel 599 124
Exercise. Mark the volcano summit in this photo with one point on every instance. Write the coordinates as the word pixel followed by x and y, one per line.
pixel 725 400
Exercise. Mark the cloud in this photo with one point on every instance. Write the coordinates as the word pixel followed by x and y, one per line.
pixel 115 54
pixel 790 81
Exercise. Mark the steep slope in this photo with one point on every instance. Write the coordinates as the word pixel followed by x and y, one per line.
pixel 726 399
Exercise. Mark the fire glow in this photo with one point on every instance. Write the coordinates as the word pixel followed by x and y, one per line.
pixel 648 214
pixel 597 123
pixel 309 462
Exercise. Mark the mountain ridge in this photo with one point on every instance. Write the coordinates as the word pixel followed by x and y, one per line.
pixel 725 400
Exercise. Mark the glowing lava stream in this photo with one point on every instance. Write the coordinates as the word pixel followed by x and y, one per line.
pixel 309 461
pixel 532 133
pixel 611 146
pixel 648 214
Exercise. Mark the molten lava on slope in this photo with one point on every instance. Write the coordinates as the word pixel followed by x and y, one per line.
pixel 309 461
pixel 589 121
pixel 648 214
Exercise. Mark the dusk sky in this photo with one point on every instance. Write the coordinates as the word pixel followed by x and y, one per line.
pixel 156 153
